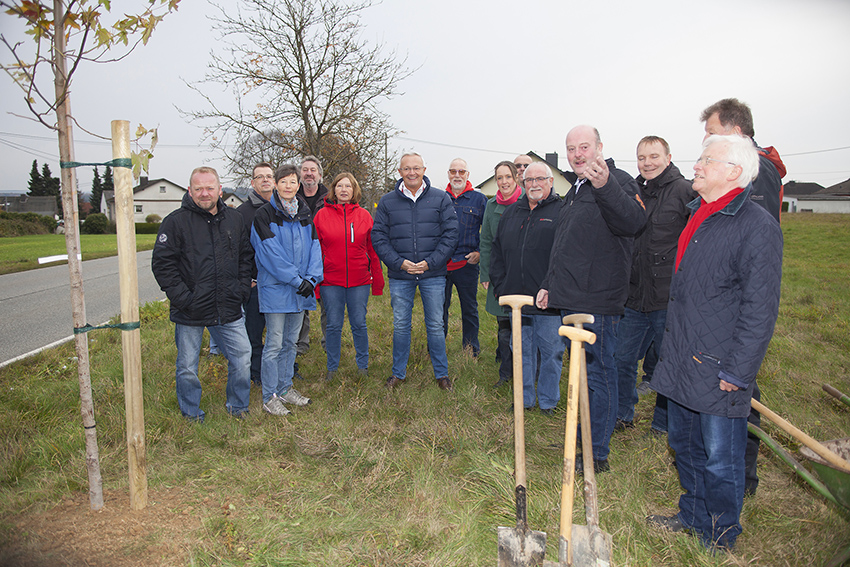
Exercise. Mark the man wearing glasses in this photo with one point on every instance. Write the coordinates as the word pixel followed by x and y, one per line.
pixel 590 268
pixel 520 260
pixel 414 234
pixel 724 301
pixel 462 268
pixel 262 181
pixel 522 161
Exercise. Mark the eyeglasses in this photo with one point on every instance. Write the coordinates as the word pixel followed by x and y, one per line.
pixel 457 171
pixel 263 177
pixel 415 169
pixel 705 160
pixel 537 180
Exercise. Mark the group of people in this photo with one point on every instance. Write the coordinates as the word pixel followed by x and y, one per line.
pixel 682 275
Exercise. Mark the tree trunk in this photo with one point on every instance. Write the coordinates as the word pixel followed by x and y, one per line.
pixel 72 243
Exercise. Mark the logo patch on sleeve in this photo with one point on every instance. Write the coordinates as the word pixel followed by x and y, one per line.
pixel 163 238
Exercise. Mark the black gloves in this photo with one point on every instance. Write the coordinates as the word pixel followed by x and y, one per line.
pixel 305 289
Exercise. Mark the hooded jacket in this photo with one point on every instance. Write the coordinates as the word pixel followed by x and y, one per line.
pixel 724 301
pixel 422 230
pixel 203 264
pixel 592 255
pixel 345 235
pixel 248 210
pixel 666 200
pixel 287 252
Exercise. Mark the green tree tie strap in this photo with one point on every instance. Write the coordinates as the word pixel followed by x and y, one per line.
pixel 117 162
pixel 123 326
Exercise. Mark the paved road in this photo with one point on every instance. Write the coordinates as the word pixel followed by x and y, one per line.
pixel 35 306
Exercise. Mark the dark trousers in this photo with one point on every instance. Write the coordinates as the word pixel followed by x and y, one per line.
pixel 751 477
pixel 465 279
pixel 255 324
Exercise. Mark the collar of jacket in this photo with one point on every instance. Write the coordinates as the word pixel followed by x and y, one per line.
pixel 465 189
pixel 670 174
pixel 341 206
pixel 190 204
pixel 523 200
pixel 426 184
pixel 257 199
pixel 734 205
pixel 303 209
pixel 320 192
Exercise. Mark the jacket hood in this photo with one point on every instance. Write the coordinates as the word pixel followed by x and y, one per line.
pixel 770 153
pixel 256 199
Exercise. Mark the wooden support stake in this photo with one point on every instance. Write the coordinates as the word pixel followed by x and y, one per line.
pixel 130 340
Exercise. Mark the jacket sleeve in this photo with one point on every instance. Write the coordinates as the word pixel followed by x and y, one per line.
pixel 381 238
pixel 315 270
pixel 448 239
pixel 486 244
pixel 497 263
pixel 374 267
pixel 246 261
pixel 165 264
pixel 617 200
pixel 760 266
pixel 269 252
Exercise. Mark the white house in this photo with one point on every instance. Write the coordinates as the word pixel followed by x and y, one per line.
pixel 157 197
pixel 561 185
pixel 232 200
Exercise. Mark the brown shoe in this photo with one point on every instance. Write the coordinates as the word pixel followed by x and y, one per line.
pixel 392 382
pixel 444 383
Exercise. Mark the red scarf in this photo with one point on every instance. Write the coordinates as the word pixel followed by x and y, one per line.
pixel 705 210
pixel 510 200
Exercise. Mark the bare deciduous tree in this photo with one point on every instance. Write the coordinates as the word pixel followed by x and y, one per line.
pixel 304 82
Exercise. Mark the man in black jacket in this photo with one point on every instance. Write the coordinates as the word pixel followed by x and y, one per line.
pixel 589 268
pixel 262 181
pixel 666 194
pixel 202 260
pixel 519 262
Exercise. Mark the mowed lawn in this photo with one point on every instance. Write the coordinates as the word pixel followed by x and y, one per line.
pixel 22 252
pixel 412 477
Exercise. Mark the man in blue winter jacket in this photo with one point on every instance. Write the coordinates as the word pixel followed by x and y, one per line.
pixel 414 234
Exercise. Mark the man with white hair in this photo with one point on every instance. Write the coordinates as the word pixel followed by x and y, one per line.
pixel 724 300
pixel 462 268
pixel 519 262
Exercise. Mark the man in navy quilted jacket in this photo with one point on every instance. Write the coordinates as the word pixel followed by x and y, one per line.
pixel 724 300
pixel 414 234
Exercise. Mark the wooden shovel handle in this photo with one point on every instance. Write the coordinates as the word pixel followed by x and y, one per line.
pixel 809 442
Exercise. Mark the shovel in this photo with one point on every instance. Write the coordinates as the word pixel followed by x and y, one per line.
pixel 585 546
pixel 519 546
pixel 591 546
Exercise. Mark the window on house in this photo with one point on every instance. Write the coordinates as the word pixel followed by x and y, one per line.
pixel 162 188
pixel 138 208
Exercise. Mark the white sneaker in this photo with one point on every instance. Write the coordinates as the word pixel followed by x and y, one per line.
pixel 275 407
pixel 295 398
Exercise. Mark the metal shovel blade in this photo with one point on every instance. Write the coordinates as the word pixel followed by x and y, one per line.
pixel 591 547
pixel 518 548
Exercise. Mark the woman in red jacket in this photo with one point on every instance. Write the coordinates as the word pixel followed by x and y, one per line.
pixel 351 267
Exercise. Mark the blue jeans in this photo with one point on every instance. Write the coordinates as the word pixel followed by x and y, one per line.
pixel 335 300
pixel 602 381
pixel 710 458
pixel 635 334
pixel 279 353
pixel 255 324
pixel 233 342
pixel 465 279
pixel 402 293
pixel 540 336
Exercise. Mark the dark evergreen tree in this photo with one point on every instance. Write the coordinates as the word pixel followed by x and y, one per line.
pixel 96 191
pixel 36 184
pixel 52 186
pixel 108 185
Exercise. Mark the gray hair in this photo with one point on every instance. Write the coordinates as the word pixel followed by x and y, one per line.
pixel 535 164
pixel 315 160
pixel 739 151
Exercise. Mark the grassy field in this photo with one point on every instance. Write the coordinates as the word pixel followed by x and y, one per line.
pixel 413 477
pixel 22 252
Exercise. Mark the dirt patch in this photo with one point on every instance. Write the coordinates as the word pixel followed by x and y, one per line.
pixel 72 534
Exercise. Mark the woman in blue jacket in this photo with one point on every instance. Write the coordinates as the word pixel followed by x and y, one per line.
pixel 289 267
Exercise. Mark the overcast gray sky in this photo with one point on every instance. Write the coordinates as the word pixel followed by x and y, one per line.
pixel 499 78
